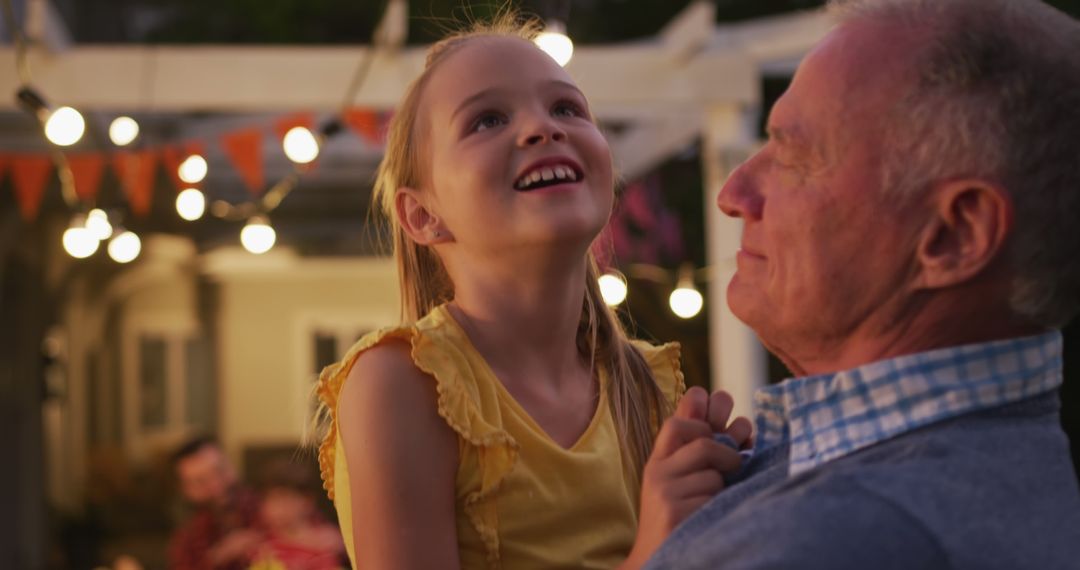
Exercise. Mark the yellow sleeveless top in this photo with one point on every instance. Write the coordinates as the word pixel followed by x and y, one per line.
pixel 522 501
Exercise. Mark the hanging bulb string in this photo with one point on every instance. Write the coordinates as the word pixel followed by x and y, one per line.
pixel 277 193
pixel 22 66
pixel 31 100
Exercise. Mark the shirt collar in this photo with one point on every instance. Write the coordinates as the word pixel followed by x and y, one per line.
pixel 828 416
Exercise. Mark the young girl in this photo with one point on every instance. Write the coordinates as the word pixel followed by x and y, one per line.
pixel 507 423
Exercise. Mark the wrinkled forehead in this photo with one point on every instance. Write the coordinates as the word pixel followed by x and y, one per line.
pixel 847 85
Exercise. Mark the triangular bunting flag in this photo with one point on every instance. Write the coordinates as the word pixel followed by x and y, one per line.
pixel 29 174
pixel 171 157
pixel 384 125
pixel 194 147
pixel 244 148
pixel 86 171
pixel 365 122
pixel 136 172
pixel 289 122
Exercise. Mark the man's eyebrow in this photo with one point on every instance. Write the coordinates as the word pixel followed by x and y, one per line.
pixel 782 135
pixel 790 138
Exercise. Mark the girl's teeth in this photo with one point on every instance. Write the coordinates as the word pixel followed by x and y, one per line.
pixel 548 173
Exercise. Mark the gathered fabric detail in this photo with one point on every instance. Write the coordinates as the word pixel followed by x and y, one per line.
pixel 665 362
pixel 461 403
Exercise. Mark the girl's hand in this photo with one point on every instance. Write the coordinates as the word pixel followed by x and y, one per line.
pixel 685 468
pixel 718 411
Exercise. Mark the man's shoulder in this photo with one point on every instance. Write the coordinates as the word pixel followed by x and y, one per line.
pixel 946 494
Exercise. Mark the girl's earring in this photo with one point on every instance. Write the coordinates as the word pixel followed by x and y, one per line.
pixel 436 234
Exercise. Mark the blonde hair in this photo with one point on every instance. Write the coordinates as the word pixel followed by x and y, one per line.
pixel 637 404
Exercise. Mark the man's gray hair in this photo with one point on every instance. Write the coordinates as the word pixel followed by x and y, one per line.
pixel 996 95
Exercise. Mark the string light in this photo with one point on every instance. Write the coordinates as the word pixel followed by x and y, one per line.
pixel 123 130
pixel 190 204
pixel 686 301
pixel 125 247
pixel 78 241
pixel 612 289
pixel 193 169
pixel 65 126
pixel 97 223
pixel 554 42
pixel 300 145
pixel 257 236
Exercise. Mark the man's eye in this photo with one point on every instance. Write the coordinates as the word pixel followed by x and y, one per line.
pixel 486 121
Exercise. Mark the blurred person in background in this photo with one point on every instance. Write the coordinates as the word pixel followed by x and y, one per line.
pixel 297 535
pixel 222 533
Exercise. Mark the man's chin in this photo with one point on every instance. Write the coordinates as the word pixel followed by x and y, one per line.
pixel 745 302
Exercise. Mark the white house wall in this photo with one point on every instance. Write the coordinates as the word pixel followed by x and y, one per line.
pixel 268 310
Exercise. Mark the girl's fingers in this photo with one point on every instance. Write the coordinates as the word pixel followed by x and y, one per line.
pixel 719 410
pixel 675 434
pixel 740 430
pixel 704 483
pixel 694 404
pixel 701 454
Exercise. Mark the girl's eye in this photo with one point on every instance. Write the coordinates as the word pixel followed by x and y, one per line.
pixel 567 109
pixel 486 121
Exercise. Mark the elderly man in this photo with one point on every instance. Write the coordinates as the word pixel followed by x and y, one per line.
pixel 911 243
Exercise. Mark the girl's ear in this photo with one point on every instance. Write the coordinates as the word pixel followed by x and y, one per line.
pixel 421 224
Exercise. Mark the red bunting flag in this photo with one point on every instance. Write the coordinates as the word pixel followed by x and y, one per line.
pixel 289 122
pixel 136 172
pixel 366 124
pixel 29 174
pixel 244 148
pixel 86 171
pixel 171 157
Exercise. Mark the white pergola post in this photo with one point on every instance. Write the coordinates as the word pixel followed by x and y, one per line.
pixel 739 362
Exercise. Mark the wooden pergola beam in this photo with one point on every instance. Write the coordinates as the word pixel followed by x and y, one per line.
pixel 270 78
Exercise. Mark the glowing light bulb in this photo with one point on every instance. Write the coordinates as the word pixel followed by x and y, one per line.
pixel 190 204
pixel 300 145
pixel 97 223
pixel 193 169
pixel 257 236
pixel 554 42
pixel 125 247
pixel 686 302
pixel 78 241
pixel 123 130
pixel 65 126
pixel 612 289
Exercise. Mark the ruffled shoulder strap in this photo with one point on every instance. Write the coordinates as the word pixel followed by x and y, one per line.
pixel 467 399
pixel 328 390
pixel 665 362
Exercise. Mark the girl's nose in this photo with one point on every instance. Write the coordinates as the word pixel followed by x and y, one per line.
pixel 544 130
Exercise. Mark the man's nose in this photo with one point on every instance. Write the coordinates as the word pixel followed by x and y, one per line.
pixel 740 196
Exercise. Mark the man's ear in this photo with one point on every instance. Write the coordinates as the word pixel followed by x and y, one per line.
pixel 417 220
pixel 971 221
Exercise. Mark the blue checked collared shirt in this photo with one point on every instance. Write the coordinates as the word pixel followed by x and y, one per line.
pixel 828 416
